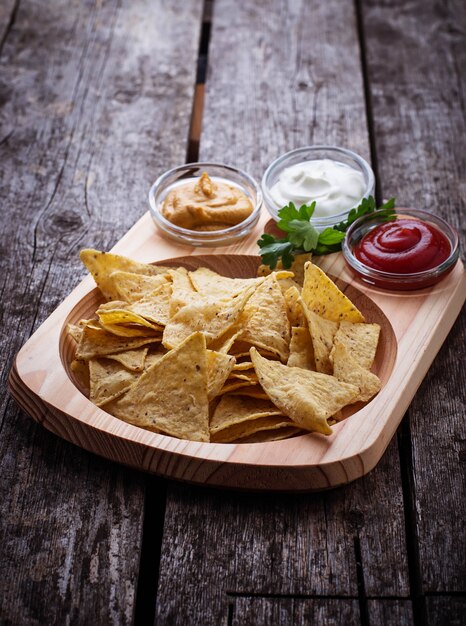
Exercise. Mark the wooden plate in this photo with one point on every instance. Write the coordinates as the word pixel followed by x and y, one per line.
pixel 414 325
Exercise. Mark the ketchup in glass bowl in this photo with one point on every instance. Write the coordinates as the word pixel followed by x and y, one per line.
pixel 402 249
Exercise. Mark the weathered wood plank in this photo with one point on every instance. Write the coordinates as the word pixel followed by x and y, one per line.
pixel 259 611
pixel 416 55
pixel 446 610
pixel 95 101
pixel 388 612
pixel 282 75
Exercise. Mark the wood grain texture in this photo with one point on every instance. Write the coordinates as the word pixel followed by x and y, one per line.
pixel 95 101
pixel 284 76
pixel 259 611
pixel 298 81
pixel 391 612
pixel 416 58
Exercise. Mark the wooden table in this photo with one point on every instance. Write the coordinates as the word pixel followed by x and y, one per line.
pixel 97 99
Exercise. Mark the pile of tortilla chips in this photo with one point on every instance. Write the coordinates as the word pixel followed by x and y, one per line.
pixel 200 356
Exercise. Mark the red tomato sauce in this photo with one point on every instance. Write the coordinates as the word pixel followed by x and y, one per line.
pixel 404 246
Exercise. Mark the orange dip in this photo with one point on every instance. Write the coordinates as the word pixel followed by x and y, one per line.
pixel 205 205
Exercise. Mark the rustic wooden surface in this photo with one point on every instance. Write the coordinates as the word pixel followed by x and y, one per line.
pixel 95 100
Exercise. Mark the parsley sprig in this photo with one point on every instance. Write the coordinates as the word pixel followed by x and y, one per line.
pixel 302 236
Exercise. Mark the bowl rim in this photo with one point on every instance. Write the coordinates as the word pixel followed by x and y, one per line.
pixel 168 226
pixel 424 216
pixel 282 159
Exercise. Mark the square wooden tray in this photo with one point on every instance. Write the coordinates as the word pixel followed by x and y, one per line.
pixel 414 326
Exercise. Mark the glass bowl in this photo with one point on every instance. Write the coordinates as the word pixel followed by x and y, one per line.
pixel 398 281
pixel 216 171
pixel 312 153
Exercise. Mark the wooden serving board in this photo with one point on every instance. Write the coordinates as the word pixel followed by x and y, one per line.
pixel 414 326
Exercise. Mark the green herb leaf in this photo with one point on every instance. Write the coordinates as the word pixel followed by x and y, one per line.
pixel 302 236
pixel 273 249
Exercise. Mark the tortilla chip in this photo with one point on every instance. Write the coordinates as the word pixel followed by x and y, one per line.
pixel 245 365
pixel 294 308
pixel 249 375
pixel 131 287
pixel 307 398
pixel 81 370
pixel 75 331
pixel 171 396
pixel 297 267
pixel 96 342
pixel 183 291
pixel 120 313
pixel 135 331
pixel 323 297
pixel 108 380
pixel 235 409
pixel 102 264
pixel 212 317
pixel 154 306
pixel 322 332
pixel 249 391
pixel 246 429
pixel 131 359
pixel 206 281
pixel 276 434
pixel 264 320
pixel 346 368
pixel 361 341
pixel 301 349
pixel 219 366
pixel 236 416
pixel 226 340
pixel 233 385
pixel 241 349
pixel 153 357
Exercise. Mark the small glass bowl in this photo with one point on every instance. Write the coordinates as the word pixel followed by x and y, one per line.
pixel 190 172
pixel 312 153
pixel 389 280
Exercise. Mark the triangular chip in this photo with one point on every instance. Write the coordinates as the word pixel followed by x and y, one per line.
pixel 346 368
pixel 81 370
pixel 361 341
pixel 264 319
pixel 294 308
pixel 323 297
pixel 250 391
pixel 307 398
pixel 131 287
pixel 131 359
pixel 301 349
pixel 171 396
pixel 108 380
pixel 219 366
pixel 183 291
pixel 102 264
pixel 216 285
pixel 322 332
pixel 121 313
pixel 212 317
pixel 155 305
pixel 297 267
pixel 226 340
pixel 248 428
pixel 275 434
pixel 235 409
pixel 97 342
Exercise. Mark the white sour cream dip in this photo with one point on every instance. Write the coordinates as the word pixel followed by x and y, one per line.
pixel 335 186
